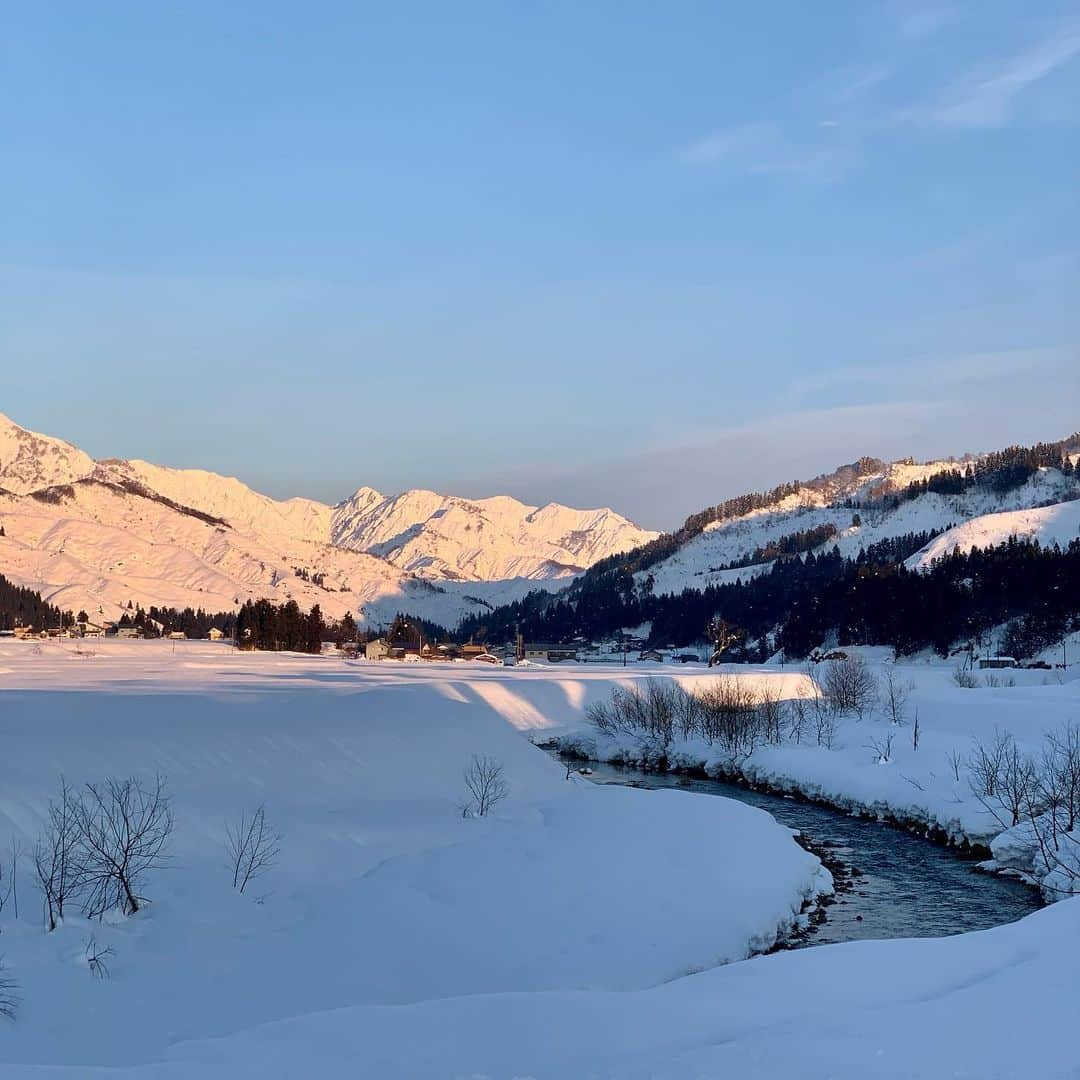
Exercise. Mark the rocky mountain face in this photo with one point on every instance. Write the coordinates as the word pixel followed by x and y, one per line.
pixel 96 534
pixel 30 462
pixel 440 536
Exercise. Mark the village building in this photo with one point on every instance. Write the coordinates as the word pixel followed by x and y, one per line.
pixel 377 649
pixel 551 653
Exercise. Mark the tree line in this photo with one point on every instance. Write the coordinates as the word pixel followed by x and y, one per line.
pixel 24 607
pixel 1000 472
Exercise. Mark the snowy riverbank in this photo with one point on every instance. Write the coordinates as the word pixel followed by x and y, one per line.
pixel 873 767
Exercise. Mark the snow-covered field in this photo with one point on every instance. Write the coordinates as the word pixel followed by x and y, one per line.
pixel 576 932
pixel 384 894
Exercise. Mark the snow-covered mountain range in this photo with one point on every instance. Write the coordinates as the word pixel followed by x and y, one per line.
pixel 96 534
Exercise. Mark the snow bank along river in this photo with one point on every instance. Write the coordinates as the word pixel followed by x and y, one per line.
pixel 900 885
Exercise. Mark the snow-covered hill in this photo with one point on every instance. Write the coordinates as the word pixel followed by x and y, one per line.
pixel 854 503
pixel 96 535
pixel 1058 524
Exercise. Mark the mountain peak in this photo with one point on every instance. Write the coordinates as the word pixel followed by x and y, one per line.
pixel 30 461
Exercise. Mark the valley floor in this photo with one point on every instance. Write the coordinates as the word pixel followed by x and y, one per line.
pixel 577 931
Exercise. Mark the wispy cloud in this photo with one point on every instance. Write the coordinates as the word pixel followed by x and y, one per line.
pixel 988 100
pixel 947 374
pixel 916 21
pixel 769 149
pixel 825 127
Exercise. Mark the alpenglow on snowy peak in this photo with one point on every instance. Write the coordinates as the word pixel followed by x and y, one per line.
pixel 30 462
pixel 96 534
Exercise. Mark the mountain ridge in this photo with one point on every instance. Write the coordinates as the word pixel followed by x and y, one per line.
pixel 213 541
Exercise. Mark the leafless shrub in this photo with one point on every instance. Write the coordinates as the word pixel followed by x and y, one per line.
pixel 798 718
pixel 963 677
pixel 654 711
pixel 849 686
pixel 730 716
pixel 882 749
pixel 600 717
pixel 123 829
pixel 1003 778
pixel 9 892
pixel 771 714
pixel 823 715
pixel 895 696
pixel 97 957
pixel 687 709
pixel 9 993
pixel 485 782
pixel 1058 781
pixel 991 680
pixel 252 846
pixel 56 857
pixel 955 760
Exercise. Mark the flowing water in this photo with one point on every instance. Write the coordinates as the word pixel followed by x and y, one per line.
pixel 893 884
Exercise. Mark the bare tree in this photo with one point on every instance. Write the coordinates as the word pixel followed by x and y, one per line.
pixel 984 766
pixel 17 852
pixel 895 696
pixel 882 749
pixel 722 636
pixel 730 716
pixel 56 857
pixel 687 710
pixel 822 714
pixel 849 686
pixel 651 712
pixel 485 782
pixel 1003 778
pixel 955 760
pixel 123 828
pixel 97 957
pixel 798 718
pixel 965 678
pixel 252 846
pixel 1059 776
pixel 771 711
pixel 9 993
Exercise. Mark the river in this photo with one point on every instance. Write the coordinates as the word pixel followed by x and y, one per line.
pixel 892 884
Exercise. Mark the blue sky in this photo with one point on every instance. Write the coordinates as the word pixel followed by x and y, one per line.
pixel 634 254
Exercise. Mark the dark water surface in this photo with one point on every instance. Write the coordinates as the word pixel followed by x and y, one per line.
pixel 900 885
